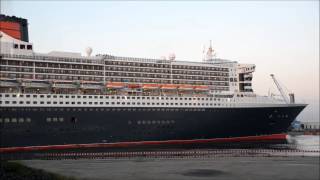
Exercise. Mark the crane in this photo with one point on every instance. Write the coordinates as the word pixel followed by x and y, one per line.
pixel 280 89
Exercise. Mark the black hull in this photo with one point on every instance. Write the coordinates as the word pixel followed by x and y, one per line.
pixel 103 125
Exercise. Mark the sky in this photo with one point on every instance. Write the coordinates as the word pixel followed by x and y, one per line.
pixel 280 37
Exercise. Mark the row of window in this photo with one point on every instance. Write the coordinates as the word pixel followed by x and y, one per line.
pixel 142 79
pixel 158 65
pixel 124 73
pixel 109 97
pixel 110 109
pixel 112 103
pixel 166 71
pixel 54 119
pixel 110 62
pixel 15 120
pixel 53 58
pixel 62 74
pixel 41 67
pixel 22 46
pixel 149 122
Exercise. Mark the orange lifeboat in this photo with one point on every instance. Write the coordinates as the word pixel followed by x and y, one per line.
pixel 151 86
pixel 202 88
pixel 186 87
pixel 169 86
pixel 115 85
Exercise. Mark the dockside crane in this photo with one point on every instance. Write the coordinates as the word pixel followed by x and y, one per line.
pixel 283 94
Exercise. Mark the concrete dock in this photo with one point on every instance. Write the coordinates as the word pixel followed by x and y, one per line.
pixel 221 168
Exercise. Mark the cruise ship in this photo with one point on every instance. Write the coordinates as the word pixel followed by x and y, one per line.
pixel 61 98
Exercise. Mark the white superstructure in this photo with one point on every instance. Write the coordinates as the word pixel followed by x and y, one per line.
pixel 69 79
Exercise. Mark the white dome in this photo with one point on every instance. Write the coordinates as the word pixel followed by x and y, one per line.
pixel 172 56
pixel 88 51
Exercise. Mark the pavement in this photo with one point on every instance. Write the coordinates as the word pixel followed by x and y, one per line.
pixel 220 168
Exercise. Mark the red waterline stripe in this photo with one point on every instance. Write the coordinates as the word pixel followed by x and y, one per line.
pixel 273 137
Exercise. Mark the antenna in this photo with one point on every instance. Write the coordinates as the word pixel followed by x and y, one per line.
pixel 203 53
pixel 210 53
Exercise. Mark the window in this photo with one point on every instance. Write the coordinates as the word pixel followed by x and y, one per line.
pixel 29 47
pixel 22 46
pixel 28 120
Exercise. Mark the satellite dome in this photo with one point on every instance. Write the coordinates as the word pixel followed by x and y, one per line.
pixel 88 51
pixel 172 56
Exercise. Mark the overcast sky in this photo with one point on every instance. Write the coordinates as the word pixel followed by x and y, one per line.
pixel 279 37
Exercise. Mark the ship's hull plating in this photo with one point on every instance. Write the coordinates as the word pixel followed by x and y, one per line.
pixel 56 125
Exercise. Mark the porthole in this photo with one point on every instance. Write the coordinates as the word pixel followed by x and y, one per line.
pixel 14 120
pixel 48 119
pixel 61 119
pixel 21 120
pixel 6 120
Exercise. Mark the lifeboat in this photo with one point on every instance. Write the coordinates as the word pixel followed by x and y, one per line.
pixel 62 81
pixel 134 86
pixel 35 83
pixel 90 82
pixel 186 87
pixel 151 86
pixel 169 86
pixel 202 88
pixel 115 85
pixel 64 84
